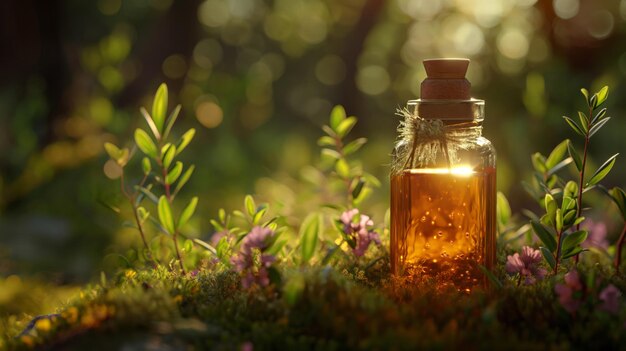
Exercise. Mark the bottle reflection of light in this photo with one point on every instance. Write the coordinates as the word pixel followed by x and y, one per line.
pixel 462 171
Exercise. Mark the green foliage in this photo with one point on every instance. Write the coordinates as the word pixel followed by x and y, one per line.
pixel 559 228
pixel 171 172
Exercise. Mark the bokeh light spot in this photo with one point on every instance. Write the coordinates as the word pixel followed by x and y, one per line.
pixel 112 170
pixel 209 114
pixel 330 70
pixel 174 66
pixel 566 9
pixel 109 7
pixel 601 24
pixel 214 13
pixel 373 80
pixel 513 44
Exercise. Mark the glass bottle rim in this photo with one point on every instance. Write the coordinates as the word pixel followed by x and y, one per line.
pixel 449 111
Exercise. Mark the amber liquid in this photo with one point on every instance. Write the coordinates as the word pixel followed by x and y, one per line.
pixel 443 225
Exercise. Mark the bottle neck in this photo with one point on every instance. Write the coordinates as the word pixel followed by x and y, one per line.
pixel 450 112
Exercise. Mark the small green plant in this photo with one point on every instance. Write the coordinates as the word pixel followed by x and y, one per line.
pixel 168 177
pixel 559 228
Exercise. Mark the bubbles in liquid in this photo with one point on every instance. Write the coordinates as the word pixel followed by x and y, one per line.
pixel 423 219
pixel 440 233
pixel 449 224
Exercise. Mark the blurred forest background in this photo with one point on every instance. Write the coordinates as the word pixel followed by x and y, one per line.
pixel 257 78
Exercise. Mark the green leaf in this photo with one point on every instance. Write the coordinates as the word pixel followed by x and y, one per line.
pixel 170 121
pixel 570 189
pixel 574 126
pixel 619 197
pixel 596 127
pixel 573 240
pixel 165 215
pixel 492 278
pixel 258 216
pixel 579 220
pixel 599 115
pixel 345 126
pixel 503 209
pixel 585 94
pixel 188 212
pixel 357 189
pixel 354 146
pixel 551 208
pixel 575 156
pixel 168 156
pixel 150 122
pixel 603 94
pixel 328 130
pixel 342 168
pixel 184 179
pixel 546 237
pixel 326 141
pixel 146 165
pixel 572 253
pixel 559 220
pixel 337 115
pixel 569 218
pixel 114 152
pixel 557 154
pixel 250 205
pixel 159 107
pixel 149 194
pixel 309 234
pixel 593 100
pixel 584 121
pixel 547 254
pixel 174 173
pixel 185 140
pixel 144 143
pixel 602 171
pixel 331 153
pixel 539 162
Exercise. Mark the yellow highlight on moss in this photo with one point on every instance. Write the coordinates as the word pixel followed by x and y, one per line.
pixel 129 273
pixel 43 325
pixel 27 340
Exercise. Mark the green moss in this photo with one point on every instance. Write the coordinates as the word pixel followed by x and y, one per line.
pixel 328 310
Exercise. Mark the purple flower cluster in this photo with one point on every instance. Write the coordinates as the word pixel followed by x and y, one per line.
pixel 251 261
pixel 526 265
pixel 358 229
pixel 570 294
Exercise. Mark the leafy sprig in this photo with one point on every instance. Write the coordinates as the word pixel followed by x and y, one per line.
pixel 170 173
pixel 559 228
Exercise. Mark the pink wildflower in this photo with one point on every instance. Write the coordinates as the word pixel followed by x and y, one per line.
pixel 610 297
pixel 217 236
pixel 526 264
pixel 251 262
pixel 597 235
pixel 359 231
pixel 567 292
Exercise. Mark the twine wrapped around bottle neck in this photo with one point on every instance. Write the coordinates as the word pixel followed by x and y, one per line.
pixel 426 138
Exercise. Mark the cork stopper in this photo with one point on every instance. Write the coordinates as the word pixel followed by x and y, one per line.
pixel 445 91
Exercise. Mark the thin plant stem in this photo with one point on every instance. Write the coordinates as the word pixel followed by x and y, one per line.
pixel 559 236
pixel 620 246
pixel 169 198
pixel 131 200
pixel 339 144
pixel 579 207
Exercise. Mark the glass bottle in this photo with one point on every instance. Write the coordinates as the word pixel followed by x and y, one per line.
pixel 443 184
